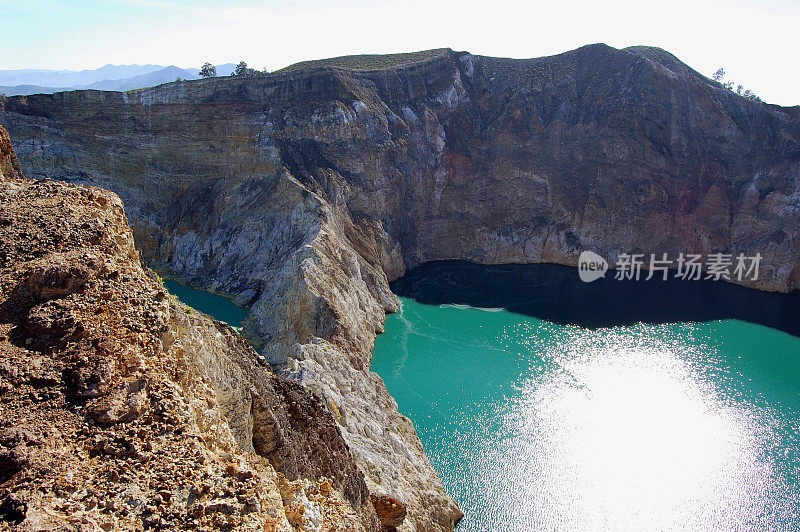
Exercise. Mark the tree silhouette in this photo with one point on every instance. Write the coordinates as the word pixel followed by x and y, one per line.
pixel 241 69
pixel 208 70
pixel 719 77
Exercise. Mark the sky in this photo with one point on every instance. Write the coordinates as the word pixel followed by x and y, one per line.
pixel 755 41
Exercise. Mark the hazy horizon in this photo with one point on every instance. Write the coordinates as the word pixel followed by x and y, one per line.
pixel 751 40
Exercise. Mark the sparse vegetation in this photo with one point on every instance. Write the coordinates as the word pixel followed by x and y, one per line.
pixel 208 70
pixel 367 62
pixel 719 77
pixel 243 70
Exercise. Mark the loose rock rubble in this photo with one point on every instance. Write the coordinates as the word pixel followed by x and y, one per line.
pixel 121 409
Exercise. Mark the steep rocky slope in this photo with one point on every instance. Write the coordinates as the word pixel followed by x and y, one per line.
pixel 303 193
pixel 9 164
pixel 122 409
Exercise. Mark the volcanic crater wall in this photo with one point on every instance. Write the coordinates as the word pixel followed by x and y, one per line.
pixel 122 409
pixel 301 194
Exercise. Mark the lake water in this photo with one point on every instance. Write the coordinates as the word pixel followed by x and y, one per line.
pixel 547 403
pixel 215 306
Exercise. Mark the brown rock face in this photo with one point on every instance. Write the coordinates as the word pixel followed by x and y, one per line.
pixel 449 155
pixel 391 511
pixel 9 165
pixel 121 409
pixel 302 193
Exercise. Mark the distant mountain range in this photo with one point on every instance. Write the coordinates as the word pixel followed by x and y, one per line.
pixel 109 78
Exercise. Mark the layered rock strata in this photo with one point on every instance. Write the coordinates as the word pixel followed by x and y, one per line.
pixel 301 194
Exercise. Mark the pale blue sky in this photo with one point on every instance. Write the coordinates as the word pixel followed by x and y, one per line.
pixel 757 42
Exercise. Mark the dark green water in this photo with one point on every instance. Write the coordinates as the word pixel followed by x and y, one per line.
pixel 215 306
pixel 610 406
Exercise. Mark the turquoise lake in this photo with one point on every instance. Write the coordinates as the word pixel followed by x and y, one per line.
pixel 547 403
pixel 215 306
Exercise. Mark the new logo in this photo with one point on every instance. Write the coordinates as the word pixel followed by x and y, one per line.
pixel 591 266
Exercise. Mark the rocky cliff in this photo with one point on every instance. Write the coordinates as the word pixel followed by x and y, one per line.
pixel 301 194
pixel 9 164
pixel 122 409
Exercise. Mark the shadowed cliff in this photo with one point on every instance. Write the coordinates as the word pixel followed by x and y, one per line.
pixel 555 293
pixel 302 193
pixel 457 156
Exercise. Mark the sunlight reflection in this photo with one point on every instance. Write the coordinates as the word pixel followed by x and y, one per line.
pixel 627 435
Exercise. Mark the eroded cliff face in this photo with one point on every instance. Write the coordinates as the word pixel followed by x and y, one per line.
pixel 303 193
pixel 9 165
pixel 121 409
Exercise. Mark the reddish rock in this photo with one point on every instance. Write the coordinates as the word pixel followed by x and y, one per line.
pixel 391 511
pixel 9 165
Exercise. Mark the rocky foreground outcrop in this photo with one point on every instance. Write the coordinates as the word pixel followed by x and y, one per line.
pixel 9 164
pixel 121 409
pixel 301 194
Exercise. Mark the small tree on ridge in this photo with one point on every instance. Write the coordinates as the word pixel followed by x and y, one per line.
pixel 208 70
pixel 241 69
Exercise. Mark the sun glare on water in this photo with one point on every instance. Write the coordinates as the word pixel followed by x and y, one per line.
pixel 626 436
pixel 623 433
pixel 642 427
